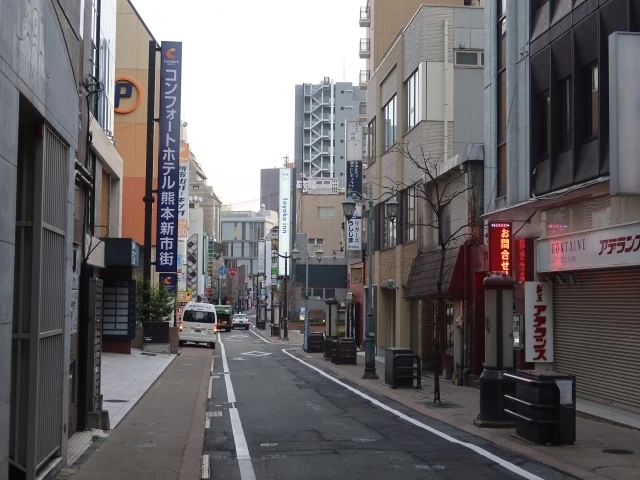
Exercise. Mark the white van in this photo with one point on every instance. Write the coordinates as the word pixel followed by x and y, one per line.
pixel 198 324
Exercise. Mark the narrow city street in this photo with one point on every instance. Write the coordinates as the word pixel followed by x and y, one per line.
pixel 272 414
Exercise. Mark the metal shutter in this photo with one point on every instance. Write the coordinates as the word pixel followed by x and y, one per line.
pixel 597 334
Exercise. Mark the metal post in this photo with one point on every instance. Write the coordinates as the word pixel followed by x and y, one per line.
pixel 286 301
pixel 148 184
pixel 369 338
pixel 306 305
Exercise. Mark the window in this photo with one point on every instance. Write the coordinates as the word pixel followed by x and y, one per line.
pixel 325 213
pixel 390 123
pixel 565 116
pixel 329 293
pixel 448 320
pixel 469 58
pixel 316 241
pixel 593 106
pixel 371 141
pixel 413 100
pixel 545 124
pixel 199 317
pixel 409 214
pixel 444 225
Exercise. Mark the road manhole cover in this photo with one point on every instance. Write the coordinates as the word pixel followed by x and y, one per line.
pixel 617 451
pixel 116 401
pixel 140 445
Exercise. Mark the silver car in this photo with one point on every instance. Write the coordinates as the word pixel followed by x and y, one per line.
pixel 240 320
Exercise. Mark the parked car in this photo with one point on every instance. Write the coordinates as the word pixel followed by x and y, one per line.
pixel 240 320
pixel 198 324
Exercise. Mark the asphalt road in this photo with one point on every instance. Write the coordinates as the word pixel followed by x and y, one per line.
pixel 272 416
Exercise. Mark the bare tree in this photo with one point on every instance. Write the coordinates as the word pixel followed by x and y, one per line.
pixel 438 189
pixel 293 289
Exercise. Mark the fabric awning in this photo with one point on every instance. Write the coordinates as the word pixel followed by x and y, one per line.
pixel 425 270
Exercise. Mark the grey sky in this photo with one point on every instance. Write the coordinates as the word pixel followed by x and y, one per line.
pixel 241 62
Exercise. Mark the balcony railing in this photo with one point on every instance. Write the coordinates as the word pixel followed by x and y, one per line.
pixel 365 16
pixel 365 47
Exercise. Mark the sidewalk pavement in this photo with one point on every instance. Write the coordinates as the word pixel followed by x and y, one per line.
pixel 125 378
pixel 161 436
pixel 586 459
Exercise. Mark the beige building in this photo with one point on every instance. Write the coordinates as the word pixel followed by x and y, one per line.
pixel 320 217
pixel 382 20
pixel 418 88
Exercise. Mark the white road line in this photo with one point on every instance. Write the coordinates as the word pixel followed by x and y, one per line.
pixel 225 365
pixel 503 463
pixel 242 450
pixel 210 388
pixel 205 467
pixel 231 396
pixel 260 336
pixel 212 363
pixel 207 422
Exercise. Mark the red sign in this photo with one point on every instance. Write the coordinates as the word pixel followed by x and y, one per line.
pixel 538 298
pixel 232 272
pixel 500 247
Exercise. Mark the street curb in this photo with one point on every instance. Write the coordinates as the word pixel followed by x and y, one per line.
pixel 512 447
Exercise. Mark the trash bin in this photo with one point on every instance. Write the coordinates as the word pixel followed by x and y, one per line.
pixel 316 342
pixel 345 352
pixel 544 406
pixel 403 362
pixel 328 347
pixel 275 330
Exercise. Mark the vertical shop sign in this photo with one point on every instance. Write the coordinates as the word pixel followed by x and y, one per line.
pixel 168 157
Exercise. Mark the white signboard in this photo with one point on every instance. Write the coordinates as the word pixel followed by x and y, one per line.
pixel 608 247
pixel 284 210
pixel 355 138
pixel 262 250
pixel 354 230
pixel 538 322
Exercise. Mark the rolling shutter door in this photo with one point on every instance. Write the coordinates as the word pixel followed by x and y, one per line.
pixel 597 334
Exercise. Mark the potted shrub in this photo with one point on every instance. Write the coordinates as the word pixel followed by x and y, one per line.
pixel 154 318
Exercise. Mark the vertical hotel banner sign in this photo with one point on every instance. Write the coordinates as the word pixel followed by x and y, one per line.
pixel 262 252
pixel 168 157
pixel 284 226
pixel 355 139
pixel 500 248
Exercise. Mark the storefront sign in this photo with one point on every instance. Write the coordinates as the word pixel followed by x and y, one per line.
pixel 538 319
pixel 262 253
pixel 522 250
pixel 500 247
pixel 168 157
pixel 183 192
pixel 284 227
pixel 608 247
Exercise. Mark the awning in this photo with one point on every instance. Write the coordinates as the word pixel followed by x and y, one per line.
pixel 425 270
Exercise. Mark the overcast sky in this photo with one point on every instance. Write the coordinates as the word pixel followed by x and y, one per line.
pixel 242 60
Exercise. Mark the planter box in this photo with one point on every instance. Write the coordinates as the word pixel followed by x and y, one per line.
pixel 156 332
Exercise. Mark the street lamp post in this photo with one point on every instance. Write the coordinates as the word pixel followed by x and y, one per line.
pixel 296 255
pixel 349 208
pixel 274 258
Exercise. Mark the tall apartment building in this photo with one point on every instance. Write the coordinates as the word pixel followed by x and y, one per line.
pixel 320 113
pixel 561 157
pixel 427 96
pixel 269 189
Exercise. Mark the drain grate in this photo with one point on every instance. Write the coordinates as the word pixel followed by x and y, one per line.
pixel 617 451
pixel 149 354
pixel 116 401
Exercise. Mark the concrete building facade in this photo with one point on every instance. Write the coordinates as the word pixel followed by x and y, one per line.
pixel 320 112
pixel 431 76
pixel 40 100
pixel 557 152
pixel 269 188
